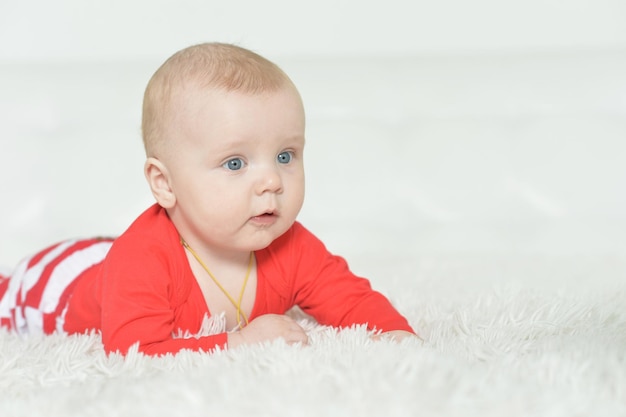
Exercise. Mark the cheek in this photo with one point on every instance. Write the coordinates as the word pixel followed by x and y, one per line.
pixel 297 188
pixel 211 197
pixel 224 200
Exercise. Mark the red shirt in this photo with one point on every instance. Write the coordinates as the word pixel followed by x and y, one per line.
pixel 144 290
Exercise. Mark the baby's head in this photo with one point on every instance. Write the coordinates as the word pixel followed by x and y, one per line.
pixel 208 66
pixel 223 130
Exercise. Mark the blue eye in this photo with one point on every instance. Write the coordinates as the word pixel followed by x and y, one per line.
pixel 284 157
pixel 234 164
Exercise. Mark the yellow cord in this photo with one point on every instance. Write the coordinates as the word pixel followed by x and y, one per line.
pixel 237 304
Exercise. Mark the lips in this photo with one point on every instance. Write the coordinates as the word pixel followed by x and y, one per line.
pixel 265 219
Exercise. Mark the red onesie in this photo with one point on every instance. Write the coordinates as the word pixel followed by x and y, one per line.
pixel 144 291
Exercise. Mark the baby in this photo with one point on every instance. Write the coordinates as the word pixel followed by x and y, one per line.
pixel 220 258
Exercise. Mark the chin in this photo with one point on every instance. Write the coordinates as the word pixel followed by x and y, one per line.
pixel 264 237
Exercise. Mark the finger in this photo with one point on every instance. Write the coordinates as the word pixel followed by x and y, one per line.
pixel 300 336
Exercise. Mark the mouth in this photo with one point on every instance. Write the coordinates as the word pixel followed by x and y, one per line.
pixel 265 219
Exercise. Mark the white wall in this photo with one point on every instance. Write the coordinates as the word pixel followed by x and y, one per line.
pixel 79 29
pixel 432 126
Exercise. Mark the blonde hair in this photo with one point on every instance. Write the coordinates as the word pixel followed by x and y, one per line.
pixel 209 65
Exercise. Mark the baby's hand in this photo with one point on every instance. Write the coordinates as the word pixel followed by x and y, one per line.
pixel 269 327
pixel 396 335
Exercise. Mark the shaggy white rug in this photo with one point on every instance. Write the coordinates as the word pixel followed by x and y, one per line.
pixel 503 337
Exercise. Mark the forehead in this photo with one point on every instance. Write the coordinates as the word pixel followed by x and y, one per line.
pixel 214 113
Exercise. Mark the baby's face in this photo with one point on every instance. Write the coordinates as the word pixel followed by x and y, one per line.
pixel 237 168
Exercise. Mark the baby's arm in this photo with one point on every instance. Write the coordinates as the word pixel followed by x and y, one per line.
pixel 268 327
pixel 326 289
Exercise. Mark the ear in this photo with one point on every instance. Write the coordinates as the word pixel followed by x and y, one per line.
pixel 158 178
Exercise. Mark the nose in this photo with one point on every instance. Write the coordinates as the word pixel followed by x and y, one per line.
pixel 269 180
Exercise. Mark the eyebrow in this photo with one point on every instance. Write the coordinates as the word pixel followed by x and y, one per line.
pixel 240 142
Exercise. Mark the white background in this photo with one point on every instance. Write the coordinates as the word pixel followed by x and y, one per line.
pixel 130 29
pixel 433 126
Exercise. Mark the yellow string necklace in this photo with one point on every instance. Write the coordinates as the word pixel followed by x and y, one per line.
pixel 236 304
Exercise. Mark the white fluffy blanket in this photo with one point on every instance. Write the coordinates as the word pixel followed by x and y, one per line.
pixel 503 337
